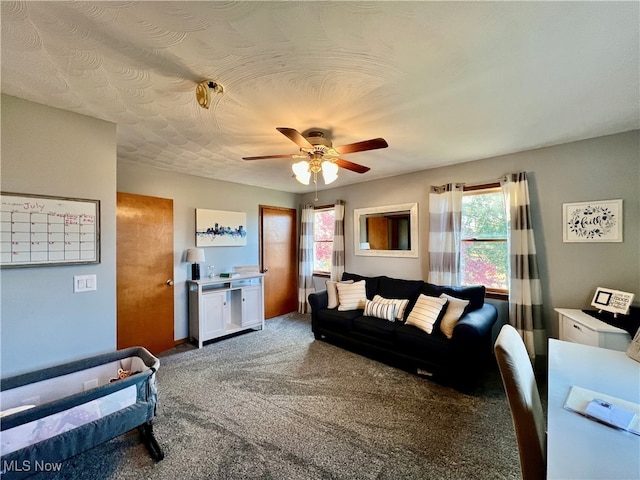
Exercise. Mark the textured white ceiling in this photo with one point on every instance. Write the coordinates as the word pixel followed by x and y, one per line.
pixel 442 82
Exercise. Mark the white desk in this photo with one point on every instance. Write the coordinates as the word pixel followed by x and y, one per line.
pixel 579 448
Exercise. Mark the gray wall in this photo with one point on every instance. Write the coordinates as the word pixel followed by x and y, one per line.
pixel 597 169
pixel 52 152
pixel 189 193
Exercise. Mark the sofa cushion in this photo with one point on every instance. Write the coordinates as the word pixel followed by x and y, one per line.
pixel 398 288
pixel 385 311
pixel 474 294
pixel 371 282
pixel 400 304
pixel 373 326
pixel 455 309
pixel 332 293
pixel 426 312
pixel 351 296
pixel 414 341
pixel 334 319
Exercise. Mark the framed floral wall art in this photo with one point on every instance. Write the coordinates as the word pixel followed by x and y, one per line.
pixel 597 221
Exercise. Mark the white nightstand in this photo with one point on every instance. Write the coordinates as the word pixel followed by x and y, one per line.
pixel 579 327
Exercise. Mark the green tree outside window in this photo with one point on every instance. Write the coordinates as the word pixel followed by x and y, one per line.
pixel 483 251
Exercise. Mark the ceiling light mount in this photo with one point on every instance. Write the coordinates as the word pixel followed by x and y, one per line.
pixel 205 91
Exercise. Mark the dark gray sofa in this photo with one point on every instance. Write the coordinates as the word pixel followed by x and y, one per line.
pixel 458 361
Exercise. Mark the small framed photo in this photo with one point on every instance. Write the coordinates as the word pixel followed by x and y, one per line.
pixel 613 301
pixel 597 221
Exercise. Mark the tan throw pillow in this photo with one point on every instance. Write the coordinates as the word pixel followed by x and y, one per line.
pixel 332 292
pixel 455 309
pixel 380 310
pixel 425 312
pixel 351 296
pixel 400 303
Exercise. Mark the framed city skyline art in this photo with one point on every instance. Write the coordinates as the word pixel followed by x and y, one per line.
pixel 220 228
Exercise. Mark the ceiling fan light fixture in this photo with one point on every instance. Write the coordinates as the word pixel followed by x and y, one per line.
pixel 329 172
pixel 301 170
pixel 322 156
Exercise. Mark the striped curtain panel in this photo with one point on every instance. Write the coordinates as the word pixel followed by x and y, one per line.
pixel 445 220
pixel 337 255
pixel 525 291
pixel 305 265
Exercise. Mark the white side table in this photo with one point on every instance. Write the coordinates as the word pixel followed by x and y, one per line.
pixel 579 327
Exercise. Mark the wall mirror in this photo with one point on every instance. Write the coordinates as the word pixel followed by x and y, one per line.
pixel 386 231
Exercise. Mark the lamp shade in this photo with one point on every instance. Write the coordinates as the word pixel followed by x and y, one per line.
pixel 195 255
pixel 301 170
pixel 329 172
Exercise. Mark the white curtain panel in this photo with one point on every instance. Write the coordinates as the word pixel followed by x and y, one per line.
pixel 525 291
pixel 305 266
pixel 337 255
pixel 445 220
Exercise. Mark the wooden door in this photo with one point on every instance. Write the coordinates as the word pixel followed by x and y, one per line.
pixel 278 258
pixel 144 272
pixel 378 233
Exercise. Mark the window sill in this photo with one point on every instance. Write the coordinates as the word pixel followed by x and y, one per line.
pixel 497 295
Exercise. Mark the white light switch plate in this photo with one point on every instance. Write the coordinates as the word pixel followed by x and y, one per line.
pixel 84 283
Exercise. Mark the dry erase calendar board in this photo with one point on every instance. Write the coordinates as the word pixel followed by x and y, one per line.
pixel 38 230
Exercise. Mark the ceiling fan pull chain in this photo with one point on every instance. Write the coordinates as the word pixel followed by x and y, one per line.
pixel 315 181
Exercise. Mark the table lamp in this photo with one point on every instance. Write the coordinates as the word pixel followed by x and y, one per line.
pixel 195 255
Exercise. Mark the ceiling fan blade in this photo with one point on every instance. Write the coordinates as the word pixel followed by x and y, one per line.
pixel 295 136
pixel 263 157
pixel 372 144
pixel 354 167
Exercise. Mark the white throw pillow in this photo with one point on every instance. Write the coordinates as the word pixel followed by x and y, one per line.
pixel 351 296
pixel 332 292
pixel 455 309
pixel 425 312
pixel 400 303
pixel 380 310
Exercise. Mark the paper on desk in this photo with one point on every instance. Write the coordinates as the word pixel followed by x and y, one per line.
pixel 579 399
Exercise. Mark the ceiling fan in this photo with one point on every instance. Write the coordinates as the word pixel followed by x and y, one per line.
pixel 321 156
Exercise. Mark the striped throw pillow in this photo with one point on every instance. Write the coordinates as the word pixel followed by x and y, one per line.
pixel 425 312
pixel 351 295
pixel 380 310
pixel 400 303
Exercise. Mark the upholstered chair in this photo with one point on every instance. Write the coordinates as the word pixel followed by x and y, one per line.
pixel 524 401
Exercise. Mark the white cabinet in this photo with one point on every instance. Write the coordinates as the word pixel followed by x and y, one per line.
pixel 222 306
pixel 579 327
pixel 252 306
pixel 215 313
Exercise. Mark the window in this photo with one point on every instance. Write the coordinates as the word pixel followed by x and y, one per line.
pixel 483 251
pixel 323 225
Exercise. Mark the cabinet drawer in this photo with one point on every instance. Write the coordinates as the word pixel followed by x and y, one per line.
pixel 578 333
